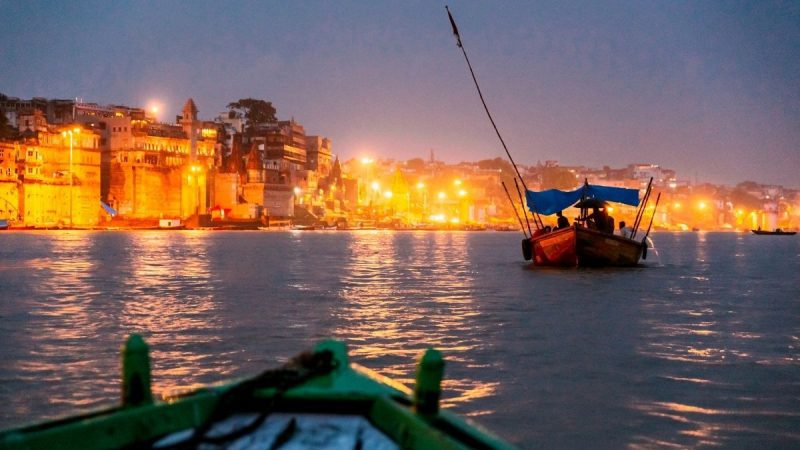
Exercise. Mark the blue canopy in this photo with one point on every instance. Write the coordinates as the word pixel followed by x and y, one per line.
pixel 553 200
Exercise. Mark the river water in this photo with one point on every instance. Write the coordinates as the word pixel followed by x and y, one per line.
pixel 701 346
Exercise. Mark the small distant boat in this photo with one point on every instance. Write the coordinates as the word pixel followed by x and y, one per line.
pixel 3 224
pixel 776 232
pixel 317 400
pixel 304 227
pixel 171 224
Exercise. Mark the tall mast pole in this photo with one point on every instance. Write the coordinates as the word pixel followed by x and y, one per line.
pixel 480 94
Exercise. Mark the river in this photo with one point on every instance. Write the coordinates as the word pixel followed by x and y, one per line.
pixel 699 346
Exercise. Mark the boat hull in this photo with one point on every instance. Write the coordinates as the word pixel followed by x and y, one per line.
pixel 774 233
pixel 582 247
pixel 320 387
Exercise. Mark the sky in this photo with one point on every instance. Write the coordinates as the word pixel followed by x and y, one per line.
pixel 710 89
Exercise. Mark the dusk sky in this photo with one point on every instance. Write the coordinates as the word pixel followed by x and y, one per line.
pixel 708 88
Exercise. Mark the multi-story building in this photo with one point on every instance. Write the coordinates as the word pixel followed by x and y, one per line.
pixel 160 170
pixel 319 155
pixel 51 178
pixel 146 169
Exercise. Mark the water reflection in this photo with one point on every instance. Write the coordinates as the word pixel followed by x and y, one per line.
pixel 404 292
pixel 62 317
pixel 168 295
pixel 711 344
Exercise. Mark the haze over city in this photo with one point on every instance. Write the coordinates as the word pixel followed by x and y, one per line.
pixel 711 90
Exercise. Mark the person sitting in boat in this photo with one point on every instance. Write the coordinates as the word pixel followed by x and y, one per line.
pixel 624 231
pixel 563 222
pixel 598 220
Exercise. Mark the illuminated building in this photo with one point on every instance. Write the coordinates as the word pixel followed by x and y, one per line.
pixel 160 170
pixel 51 178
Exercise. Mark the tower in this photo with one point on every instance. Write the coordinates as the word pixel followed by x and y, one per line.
pixel 190 126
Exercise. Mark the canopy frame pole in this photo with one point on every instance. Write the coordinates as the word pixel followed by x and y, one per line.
pixel 525 212
pixel 642 206
pixel 514 207
pixel 644 239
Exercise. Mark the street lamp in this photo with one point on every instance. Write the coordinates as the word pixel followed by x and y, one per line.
pixel 70 133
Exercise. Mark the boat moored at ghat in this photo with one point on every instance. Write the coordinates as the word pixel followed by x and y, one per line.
pixel 317 400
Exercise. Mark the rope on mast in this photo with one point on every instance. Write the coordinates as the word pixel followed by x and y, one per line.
pixel 483 101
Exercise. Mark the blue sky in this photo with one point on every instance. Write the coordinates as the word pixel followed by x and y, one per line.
pixel 709 88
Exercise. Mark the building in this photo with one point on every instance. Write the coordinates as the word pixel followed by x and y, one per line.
pixel 51 178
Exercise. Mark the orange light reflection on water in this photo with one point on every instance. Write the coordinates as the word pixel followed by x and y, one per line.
pixel 179 326
pixel 62 319
pixel 402 299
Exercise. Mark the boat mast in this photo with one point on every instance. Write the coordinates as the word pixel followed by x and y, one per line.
pixel 514 207
pixel 642 206
pixel 483 101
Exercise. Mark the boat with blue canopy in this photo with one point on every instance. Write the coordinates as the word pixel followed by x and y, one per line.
pixel 590 241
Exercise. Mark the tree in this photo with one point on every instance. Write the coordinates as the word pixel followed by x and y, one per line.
pixel 254 112
pixel 558 178
pixel 6 132
pixel 741 198
pixel 416 164
pixel 497 164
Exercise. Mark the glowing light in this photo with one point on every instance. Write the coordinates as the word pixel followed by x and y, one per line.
pixel 420 185
pixel 376 186
pixel 154 108
pixel 610 209
pixel 366 161
pixel 462 193
pixel 297 190
pixel 677 206
pixel 454 220
pixel 457 182
pixel 441 195
pixel 702 205
pixel 388 194
pixel 438 218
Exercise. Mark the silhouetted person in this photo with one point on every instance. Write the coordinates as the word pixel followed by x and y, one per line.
pixel 563 222
pixel 598 220
pixel 624 231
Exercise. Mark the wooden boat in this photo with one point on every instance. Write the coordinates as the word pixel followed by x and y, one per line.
pixel 570 246
pixel 578 246
pixel 318 400
pixel 776 232
pixel 590 241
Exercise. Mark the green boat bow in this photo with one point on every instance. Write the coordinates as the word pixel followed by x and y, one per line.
pixel 322 383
